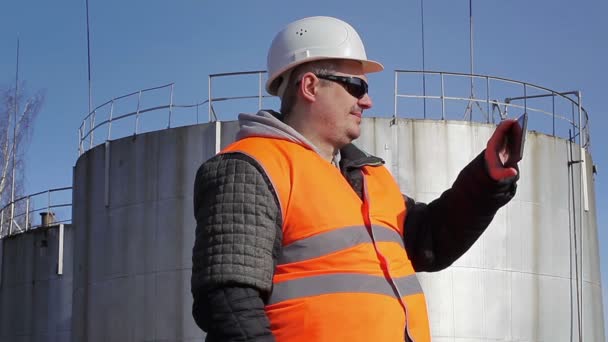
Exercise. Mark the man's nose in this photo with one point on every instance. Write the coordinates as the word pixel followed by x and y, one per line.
pixel 365 102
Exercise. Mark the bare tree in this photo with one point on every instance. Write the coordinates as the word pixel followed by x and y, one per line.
pixel 18 111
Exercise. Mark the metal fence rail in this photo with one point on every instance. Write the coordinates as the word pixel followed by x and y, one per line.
pixel 493 105
pixel 91 124
pixel 17 217
pixel 525 97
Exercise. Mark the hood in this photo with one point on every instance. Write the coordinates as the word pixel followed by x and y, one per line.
pixel 267 124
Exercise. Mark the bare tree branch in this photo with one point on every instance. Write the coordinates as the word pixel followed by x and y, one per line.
pixel 15 136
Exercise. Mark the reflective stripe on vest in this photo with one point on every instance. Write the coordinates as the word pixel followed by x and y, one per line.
pixel 342 283
pixel 333 241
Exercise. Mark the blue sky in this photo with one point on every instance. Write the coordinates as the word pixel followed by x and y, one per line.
pixel 558 44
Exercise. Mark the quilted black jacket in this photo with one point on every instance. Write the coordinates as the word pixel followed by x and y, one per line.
pixel 238 235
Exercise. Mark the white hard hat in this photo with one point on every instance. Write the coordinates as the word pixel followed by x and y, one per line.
pixel 311 39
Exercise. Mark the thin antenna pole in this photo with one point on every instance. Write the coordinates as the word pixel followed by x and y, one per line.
pixel 89 58
pixel 423 59
pixel 469 109
pixel 92 117
pixel 471 41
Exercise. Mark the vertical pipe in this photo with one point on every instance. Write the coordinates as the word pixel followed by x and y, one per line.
pixel 137 113
pixel 209 95
pixel 580 119
pixel 48 202
pixel 442 97
pixel 60 251
pixel 488 99
pixel 570 235
pixel 110 122
pixel 27 212
pixel 91 127
pixel 218 136
pixel 576 263
pixel 573 119
pixel 424 95
pixel 585 185
pixel 80 140
pixel 395 93
pixel 260 91
pixel 170 106
pixel 525 98
pixel 582 201
pixel 553 111
pixel 582 235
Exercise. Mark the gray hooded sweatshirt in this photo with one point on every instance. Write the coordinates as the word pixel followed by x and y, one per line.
pixel 266 124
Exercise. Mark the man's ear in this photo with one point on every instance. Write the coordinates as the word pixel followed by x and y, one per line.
pixel 309 85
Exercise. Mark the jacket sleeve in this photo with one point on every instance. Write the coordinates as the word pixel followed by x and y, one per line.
pixel 238 236
pixel 232 313
pixel 438 233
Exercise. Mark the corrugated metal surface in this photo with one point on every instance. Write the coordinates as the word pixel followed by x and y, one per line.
pixel 132 252
pixel 36 302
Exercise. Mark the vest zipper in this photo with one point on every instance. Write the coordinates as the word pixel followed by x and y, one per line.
pixel 383 260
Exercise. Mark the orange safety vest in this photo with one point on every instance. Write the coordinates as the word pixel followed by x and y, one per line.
pixel 343 273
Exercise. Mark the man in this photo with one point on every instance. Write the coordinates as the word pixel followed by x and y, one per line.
pixel 300 235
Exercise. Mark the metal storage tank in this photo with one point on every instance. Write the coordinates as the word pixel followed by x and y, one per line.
pixel 518 282
pixel 533 276
pixel 133 205
pixel 36 285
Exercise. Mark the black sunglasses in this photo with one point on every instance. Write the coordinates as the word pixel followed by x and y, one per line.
pixel 355 86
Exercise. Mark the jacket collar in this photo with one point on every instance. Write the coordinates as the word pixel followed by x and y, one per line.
pixel 351 157
pixel 270 123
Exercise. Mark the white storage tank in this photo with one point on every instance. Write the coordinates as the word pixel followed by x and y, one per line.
pixel 533 276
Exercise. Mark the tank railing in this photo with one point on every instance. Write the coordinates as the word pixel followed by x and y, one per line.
pixel 90 124
pixel 85 132
pixel 487 106
pixel 18 221
pixel 260 95
pixel 577 111
pixel 579 118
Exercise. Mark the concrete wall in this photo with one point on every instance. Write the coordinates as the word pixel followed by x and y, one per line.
pixel 35 301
